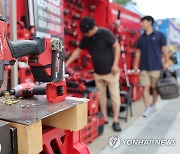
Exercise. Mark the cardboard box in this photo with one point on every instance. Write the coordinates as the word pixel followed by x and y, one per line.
pixel 72 119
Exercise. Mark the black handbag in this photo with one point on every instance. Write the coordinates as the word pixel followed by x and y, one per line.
pixel 167 85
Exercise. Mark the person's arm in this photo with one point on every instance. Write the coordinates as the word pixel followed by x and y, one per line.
pixel 137 59
pixel 138 54
pixel 165 51
pixel 1 8
pixel 166 56
pixel 117 51
pixel 73 57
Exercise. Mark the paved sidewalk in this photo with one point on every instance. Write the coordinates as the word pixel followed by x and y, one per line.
pixel 102 141
pixel 161 125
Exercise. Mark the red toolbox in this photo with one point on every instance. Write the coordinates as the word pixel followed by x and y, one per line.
pixel 93 105
pixel 85 133
pixel 136 92
pixel 95 125
pixel 75 146
pixel 133 78
pixel 101 123
pixel 94 128
pixel 56 140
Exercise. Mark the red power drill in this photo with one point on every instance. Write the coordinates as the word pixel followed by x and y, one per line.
pixel 28 90
pixel 45 59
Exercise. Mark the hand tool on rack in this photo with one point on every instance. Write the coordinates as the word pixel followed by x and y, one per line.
pixel 45 58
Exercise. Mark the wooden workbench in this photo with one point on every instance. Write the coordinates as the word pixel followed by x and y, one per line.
pixel 29 114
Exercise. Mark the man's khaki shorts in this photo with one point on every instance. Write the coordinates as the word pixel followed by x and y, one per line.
pixel 112 81
pixel 149 78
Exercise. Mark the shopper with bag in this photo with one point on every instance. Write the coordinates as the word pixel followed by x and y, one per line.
pixel 151 47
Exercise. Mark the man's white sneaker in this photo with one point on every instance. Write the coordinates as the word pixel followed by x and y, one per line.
pixel 153 108
pixel 147 112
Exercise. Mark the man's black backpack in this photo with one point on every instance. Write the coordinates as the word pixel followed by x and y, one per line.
pixel 167 85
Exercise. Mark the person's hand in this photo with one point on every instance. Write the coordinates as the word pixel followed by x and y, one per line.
pixel 115 69
pixel 135 68
pixel 166 66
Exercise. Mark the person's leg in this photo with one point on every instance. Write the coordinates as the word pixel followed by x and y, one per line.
pixel 155 95
pixel 146 96
pixel 145 82
pixel 154 100
pixel 114 91
pixel 154 78
pixel 102 88
pixel 113 85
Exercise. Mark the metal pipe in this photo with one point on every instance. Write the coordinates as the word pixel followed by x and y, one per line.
pixel 13 36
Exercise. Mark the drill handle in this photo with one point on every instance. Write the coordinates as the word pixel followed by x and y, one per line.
pixel 22 48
